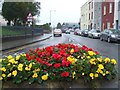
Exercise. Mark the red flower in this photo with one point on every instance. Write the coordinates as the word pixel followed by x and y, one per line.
pixel 65 74
pixel 96 52
pixel 36 49
pixel 90 49
pixel 56 56
pixel 39 53
pixel 27 55
pixel 39 60
pixel 65 63
pixel 57 65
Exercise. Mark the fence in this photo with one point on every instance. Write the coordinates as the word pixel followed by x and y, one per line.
pixel 8 31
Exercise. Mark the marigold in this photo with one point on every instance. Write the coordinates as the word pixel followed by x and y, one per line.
pixel 14 73
pixel 72 51
pixel 35 75
pixel 72 59
pixel 36 70
pixel 44 77
pixel 113 61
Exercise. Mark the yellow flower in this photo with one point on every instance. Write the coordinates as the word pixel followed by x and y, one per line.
pixel 92 61
pixel 30 65
pixel 107 60
pixel 99 71
pixel 27 68
pixel 16 62
pixel 0 60
pixel 96 75
pixel 99 59
pixel 11 60
pixel 91 53
pixel 3 69
pixel 17 57
pixel 88 57
pixel 8 64
pixel 14 73
pixel 44 77
pixel 9 75
pixel 107 72
pixel 20 67
pixel 1 78
pixel 91 75
pixel 3 75
pixel 36 70
pixel 72 59
pixel 101 66
pixel 113 61
pixel 73 74
pixel 35 75
pixel 9 57
pixel 72 51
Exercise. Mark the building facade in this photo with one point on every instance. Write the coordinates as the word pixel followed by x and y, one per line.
pixel 116 21
pixel 107 14
pixel 84 16
pixel 119 14
pixel 91 15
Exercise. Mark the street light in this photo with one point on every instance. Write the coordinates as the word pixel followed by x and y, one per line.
pixel 51 14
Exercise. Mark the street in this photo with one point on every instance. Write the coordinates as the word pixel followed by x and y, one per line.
pixel 104 48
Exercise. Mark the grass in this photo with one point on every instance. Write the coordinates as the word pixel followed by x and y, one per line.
pixel 10 32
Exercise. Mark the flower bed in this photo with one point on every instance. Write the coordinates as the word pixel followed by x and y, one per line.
pixel 63 62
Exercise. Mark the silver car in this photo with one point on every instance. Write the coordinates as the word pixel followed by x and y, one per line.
pixel 94 33
pixel 57 32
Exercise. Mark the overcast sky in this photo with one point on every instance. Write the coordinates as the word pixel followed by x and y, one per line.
pixel 65 11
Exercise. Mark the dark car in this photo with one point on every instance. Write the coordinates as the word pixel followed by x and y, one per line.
pixel 67 32
pixel 94 33
pixel 110 35
pixel 84 33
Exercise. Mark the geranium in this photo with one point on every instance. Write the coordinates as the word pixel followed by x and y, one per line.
pixel 56 56
pixel 57 65
pixel 65 74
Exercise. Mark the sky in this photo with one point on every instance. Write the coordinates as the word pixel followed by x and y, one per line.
pixel 61 11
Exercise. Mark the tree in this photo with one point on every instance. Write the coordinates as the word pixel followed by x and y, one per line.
pixel 59 25
pixel 17 11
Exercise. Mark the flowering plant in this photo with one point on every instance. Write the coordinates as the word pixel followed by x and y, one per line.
pixel 60 62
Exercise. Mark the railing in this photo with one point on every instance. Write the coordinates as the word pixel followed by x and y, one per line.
pixel 9 31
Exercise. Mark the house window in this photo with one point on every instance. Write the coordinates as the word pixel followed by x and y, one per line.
pixel 108 25
pixel 110 8
pixel 89 5
pixel 103 26
pixel 89 16
pixel 92 15
pixel 92 4
pixel 104 10
pixel 119 6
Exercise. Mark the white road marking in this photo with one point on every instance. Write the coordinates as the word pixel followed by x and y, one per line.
pixel 117 44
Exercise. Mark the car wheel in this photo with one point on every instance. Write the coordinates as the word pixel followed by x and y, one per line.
pixel 101 38
pixel 109 39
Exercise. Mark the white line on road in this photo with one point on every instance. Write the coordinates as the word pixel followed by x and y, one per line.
pixel 117 44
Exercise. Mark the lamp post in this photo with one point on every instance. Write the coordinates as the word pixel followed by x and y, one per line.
pixel 51 14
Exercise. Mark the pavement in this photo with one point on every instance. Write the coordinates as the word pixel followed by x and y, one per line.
pixel 17 43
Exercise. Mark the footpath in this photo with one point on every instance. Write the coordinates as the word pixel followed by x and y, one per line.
pixel 16 43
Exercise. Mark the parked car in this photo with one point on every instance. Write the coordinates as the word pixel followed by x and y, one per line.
pixel 67 32
pixel 94 33
pixel 84 32
pixel 110 35
pixel 57 32
pixel 76 31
